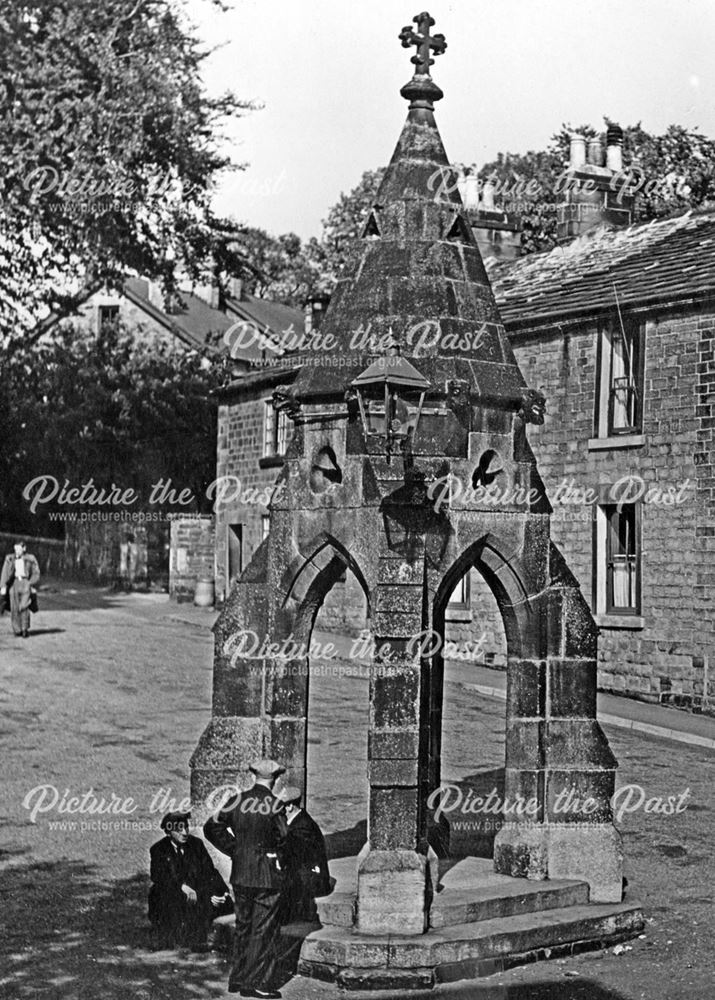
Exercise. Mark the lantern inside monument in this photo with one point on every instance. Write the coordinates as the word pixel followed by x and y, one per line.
pixel 390 395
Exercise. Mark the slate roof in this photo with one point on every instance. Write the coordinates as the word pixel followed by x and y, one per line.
pixel 194 323
pixel 271 318
pixel 198 323
pixel 666 260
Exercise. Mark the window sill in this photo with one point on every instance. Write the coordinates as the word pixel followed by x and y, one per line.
pixel 270 461
pixel 457 614
pixel 620 621
pixel 620 441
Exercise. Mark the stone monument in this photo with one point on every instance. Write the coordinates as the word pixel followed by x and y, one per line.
pixel 413 388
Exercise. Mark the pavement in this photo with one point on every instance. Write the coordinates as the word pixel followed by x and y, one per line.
pixel 105 702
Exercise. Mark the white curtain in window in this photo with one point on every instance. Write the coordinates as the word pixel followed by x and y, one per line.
pixel 619 370
pixel 622 583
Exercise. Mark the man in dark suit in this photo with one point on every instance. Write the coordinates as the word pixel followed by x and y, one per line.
pixel 19 577
pixel 187 892
pixel 250 828
pixel 305 861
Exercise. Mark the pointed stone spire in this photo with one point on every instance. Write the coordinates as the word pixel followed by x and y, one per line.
pixel 416 270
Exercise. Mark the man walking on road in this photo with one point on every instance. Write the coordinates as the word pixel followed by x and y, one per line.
pixel 251 830
pixel 19 577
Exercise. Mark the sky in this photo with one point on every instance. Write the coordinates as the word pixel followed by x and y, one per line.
pixel 328 74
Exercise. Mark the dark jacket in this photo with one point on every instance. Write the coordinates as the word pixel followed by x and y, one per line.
pixel 304 851
pixel 251 830
pixel 7 576
pixel 170 870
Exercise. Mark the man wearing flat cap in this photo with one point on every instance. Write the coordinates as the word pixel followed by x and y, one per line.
pixel 306 861
pixel 187 892
pixel 250 828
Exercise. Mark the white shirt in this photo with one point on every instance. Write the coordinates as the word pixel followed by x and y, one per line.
pixel 20 568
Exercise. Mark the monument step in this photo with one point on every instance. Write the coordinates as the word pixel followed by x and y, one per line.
pixel 469 891
pixel 464 906
pixel 463 951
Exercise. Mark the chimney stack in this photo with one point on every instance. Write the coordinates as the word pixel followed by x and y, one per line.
pixel 589 196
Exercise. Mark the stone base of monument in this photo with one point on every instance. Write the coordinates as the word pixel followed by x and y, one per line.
pixel 481 923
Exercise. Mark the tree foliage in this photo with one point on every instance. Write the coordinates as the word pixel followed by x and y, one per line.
pixel 108 149
pixel 667 174
pixel 346 219
pixel 281 268
pixel 114 408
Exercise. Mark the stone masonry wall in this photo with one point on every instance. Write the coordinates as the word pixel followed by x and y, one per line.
pixel 239 455
pixel 191 555
pixel 705 474
pixel 239 451
pixel 667 658
pixel 478 632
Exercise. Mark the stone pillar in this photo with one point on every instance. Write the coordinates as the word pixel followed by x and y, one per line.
pixel 556 753
pixel 259 702
pixel 580 766
pixel 394 886
pixel 238 729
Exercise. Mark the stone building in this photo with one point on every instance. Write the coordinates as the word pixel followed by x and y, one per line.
pixel 617 329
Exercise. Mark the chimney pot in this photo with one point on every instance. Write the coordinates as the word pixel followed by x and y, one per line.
pixel 595 152
pixel 471 191
pixel 577 152
pixel 614 148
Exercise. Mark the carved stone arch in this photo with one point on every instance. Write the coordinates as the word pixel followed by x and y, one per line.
pixel 302 573
pixel 505 577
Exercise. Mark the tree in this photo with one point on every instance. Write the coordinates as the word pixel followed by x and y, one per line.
pixel 280 268
pixel 113 408
pixel 285 269
pixel 344 224
pixel 108 148
pixel 667 174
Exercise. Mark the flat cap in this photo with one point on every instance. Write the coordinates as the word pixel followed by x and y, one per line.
pixel 291 793
pixel 174 819
pixel 266 768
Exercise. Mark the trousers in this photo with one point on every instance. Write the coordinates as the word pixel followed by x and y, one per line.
pixel 20 605
pixel 255 944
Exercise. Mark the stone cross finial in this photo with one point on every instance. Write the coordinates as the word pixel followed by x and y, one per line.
pixel 423 41
pixel 421 90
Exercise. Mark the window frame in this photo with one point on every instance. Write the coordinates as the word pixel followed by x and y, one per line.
pixel 465 601
pixel 241 541
pixel 275 431
pixel 602 602
pixel 608 334
pixel 104 307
